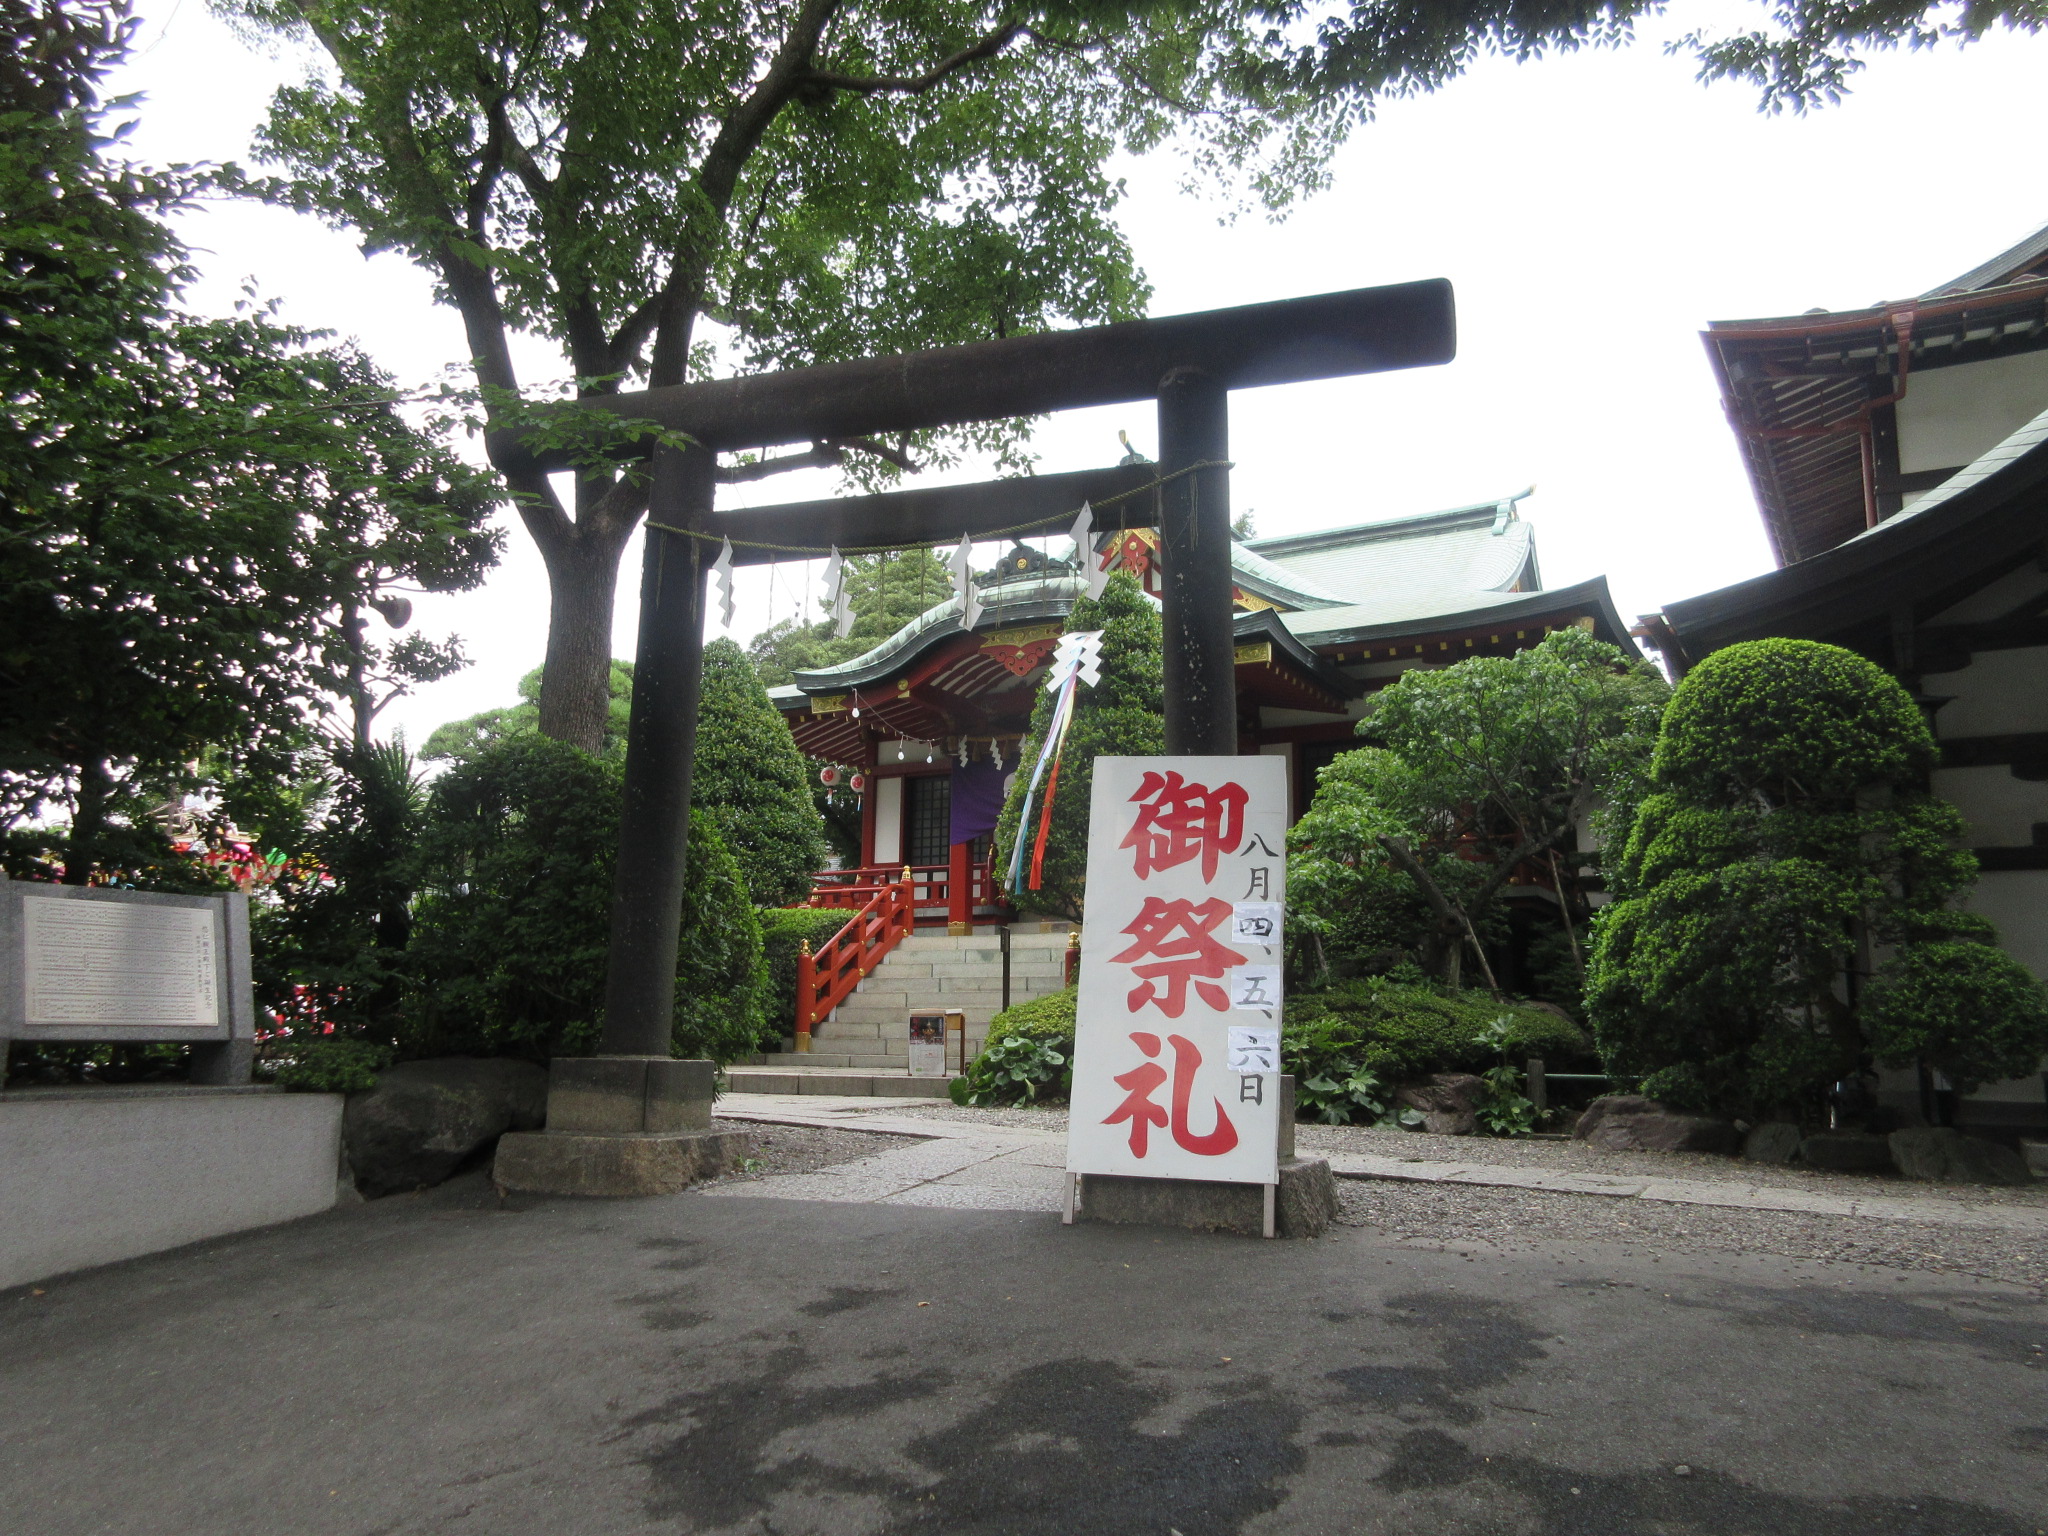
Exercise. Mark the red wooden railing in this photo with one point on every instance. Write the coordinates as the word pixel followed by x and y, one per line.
pixel 824 979
pixel 932 886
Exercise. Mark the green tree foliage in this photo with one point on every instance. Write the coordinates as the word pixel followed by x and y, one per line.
pixel 1366 50
pixel 750 781
pixel 330 935
pixel 194 514
pixel 513 919
pixel 844 179
pixel 1123 715
pixel 1790 828
pixel 885 591
pixel 1484 769
pixel 461 740
pixel 822 182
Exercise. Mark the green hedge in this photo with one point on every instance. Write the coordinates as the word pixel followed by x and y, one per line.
pixel 1397 1030
pixel 783 932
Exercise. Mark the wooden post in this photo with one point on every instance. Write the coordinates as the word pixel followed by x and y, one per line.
pixel 1073 968
pixel 1539 1085
pixel 661 748
pixel 806 996
pixel 1194 580
pixel 960 889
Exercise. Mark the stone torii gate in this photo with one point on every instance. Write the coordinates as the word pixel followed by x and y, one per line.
pixel 1187 363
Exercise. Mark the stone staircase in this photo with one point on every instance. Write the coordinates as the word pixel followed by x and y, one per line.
pixel 932 972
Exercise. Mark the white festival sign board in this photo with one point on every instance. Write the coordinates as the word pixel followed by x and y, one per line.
pixel 1177 1033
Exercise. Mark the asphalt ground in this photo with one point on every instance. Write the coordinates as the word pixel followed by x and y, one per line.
pixel 453 1362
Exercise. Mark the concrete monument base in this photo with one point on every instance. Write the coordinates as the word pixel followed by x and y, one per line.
pixel 1307 1202
pixel 620 1125
pixel 613 1165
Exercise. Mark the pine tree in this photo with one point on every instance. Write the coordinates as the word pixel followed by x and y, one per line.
pixel 751 782
pixel 1123 715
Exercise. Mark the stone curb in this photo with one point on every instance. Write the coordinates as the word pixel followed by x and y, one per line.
pixel 1727 1196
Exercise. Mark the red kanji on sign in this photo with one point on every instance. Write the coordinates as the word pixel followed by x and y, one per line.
pixel 1143 1114
pixel 1179 821
pixel 1192 956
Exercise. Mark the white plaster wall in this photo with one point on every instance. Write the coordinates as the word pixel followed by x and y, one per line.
pixel 2000 809
pixel 888 821
pixel 1284 749
pixel 2017 901
pixel 1997 599
pixel 1998 694
pixel 94 1175
pixel 1952 415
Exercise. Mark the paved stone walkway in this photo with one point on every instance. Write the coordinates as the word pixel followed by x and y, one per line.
pixel 963 1165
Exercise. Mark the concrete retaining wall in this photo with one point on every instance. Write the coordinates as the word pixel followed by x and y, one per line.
pixel 92 1175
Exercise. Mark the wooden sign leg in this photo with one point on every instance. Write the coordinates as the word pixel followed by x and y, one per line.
pixel 1067 1210
pixel 1272 1200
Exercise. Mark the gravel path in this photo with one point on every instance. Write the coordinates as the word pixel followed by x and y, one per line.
pixel 1578 1157
pixel 802 1148
pixel 1049 1119
pixel 1517 1218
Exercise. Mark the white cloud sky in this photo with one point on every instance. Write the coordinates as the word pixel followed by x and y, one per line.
pixel 1594 212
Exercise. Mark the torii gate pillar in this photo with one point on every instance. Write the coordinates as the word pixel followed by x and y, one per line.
pixel 1200 647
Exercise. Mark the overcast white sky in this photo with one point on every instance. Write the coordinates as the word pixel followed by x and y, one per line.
pixel 1594 212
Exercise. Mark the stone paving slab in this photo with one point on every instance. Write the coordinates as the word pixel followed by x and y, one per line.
pixel 1043 1151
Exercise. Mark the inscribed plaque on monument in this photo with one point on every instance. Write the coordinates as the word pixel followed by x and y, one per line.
pixel 1176 1060
pixel 92 962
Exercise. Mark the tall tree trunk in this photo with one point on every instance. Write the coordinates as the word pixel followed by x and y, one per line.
pixel 88 821
pixel 575 684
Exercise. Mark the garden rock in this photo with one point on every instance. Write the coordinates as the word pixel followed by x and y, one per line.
pixel 1627 1122
pixel 1775 1141
pixel 1944 1156
pixel 1847 1152
pixel 1449 1102
pixel 424 1119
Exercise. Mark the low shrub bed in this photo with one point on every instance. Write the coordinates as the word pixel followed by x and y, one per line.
pixel 1351 1045
pixel 1028 1057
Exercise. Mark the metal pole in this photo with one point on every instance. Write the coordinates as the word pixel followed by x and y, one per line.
pixel 661 746
pixel 1194 583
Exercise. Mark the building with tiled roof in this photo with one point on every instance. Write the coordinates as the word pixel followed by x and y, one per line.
pixel 1323 620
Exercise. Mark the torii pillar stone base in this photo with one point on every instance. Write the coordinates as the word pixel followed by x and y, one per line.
pixel 621 1126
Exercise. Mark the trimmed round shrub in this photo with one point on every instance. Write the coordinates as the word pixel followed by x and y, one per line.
pixel 1794 719
pixel 1974 1010
pixel 1028 1056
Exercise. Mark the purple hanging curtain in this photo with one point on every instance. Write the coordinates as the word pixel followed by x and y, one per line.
pixel 977 800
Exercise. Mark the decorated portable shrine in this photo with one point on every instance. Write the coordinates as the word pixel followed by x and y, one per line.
pixel 932 720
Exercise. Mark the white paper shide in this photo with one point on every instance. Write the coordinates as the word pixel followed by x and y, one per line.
pixel 1177 1039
